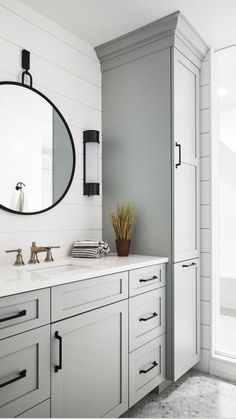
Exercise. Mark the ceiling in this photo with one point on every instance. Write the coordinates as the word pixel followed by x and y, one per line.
pixel 98 21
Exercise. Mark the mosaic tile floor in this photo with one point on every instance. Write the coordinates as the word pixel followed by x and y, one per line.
pixel 194 395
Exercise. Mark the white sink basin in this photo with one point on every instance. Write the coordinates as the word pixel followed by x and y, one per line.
pixel 53 270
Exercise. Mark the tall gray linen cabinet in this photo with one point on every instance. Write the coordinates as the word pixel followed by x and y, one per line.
pixel 150 114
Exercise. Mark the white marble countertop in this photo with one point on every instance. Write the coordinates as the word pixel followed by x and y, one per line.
pixel 15 280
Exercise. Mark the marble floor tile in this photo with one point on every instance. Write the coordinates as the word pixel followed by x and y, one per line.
pixel 195 395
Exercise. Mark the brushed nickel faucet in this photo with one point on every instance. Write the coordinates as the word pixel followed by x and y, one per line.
pixel 34 250
pixel 19 258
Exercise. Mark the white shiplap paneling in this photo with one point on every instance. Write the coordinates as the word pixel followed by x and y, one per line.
pixel 205 148
pixel 205 224
pixel 67 70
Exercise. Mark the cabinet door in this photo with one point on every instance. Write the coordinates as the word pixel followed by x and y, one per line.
pixel 185 159
pixel 93 379
pixel 186 316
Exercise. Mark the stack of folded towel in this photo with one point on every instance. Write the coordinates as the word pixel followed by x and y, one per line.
pixel 90 249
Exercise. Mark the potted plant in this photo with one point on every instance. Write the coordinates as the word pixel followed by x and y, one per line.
pixel 122 219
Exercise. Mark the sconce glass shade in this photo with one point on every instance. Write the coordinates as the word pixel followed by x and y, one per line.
pixel 91 163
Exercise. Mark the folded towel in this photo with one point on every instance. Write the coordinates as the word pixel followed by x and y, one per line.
pixel 90 249
pixel 88 243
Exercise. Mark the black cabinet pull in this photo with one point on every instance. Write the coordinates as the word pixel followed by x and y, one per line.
pixel 149 279
pixel 143 319
pixel 59 366
pixel 21 375
pixel 180 161
pixel 20 314
pixel 154 364
pixel 188 266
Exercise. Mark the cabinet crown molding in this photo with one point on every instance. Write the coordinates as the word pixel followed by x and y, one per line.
pixel 171 30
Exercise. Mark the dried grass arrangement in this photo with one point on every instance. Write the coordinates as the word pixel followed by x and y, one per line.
pixel 122 219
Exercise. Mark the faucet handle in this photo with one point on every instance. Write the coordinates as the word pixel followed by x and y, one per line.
pixel 49 257
pixel 19 258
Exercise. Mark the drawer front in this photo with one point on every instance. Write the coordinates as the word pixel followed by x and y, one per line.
pixel 146 317
pixel 146 369
pixel 22 312
pixel 24 371
pixel 79 297
pixel 146 279
pixel 42 410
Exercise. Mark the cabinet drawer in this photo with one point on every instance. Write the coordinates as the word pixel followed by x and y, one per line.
pixel 24 371
pixel 22 312
pixel 146 317
pixel 79 297
pixel 146 369
pixel 42 410
pixel 146 279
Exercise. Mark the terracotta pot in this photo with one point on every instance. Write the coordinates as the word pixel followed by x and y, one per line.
pixel 123 247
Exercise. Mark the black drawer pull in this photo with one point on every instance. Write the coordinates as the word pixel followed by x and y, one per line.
pixel 143 319
pixel 149 279
pixel 20 314
pixel 188 266
pixel 154 364
pixel 59 367
pixel 180 159
pixel 21 375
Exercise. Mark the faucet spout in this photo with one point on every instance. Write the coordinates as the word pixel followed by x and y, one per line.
pixel 34 250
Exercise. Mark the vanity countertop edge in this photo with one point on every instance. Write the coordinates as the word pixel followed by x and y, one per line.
pixel 17 280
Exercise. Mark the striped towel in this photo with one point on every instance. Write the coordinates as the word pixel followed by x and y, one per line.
pixel 90 249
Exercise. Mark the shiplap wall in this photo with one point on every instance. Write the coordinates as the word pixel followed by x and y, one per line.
pixel 67 71
pixel 205 166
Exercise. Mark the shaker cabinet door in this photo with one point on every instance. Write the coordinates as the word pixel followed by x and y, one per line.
pixel 90 364
pixel 186 316
pixel 185 159
pixel 24 371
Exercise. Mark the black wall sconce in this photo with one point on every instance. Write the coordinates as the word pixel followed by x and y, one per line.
pixel 91 163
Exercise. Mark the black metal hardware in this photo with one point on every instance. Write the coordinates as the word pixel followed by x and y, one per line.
pixel 91 189
pixel 149 279
pixel 154 364
pixel 188 266
pixel 19 186
pixel 143 319
pixel 25 59
pixel 20 314
pixel 179 163
pixel 25 63
pixel 21 375
pixel 59 366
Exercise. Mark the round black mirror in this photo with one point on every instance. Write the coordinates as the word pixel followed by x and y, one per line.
pixel 37 153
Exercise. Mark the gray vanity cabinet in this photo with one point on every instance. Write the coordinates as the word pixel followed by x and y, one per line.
pixel 93 379
pixel 150 90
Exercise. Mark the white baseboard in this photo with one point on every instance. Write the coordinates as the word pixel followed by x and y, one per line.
pixel 223 367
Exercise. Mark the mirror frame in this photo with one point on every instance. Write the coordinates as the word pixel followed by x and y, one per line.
pixel 72 146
